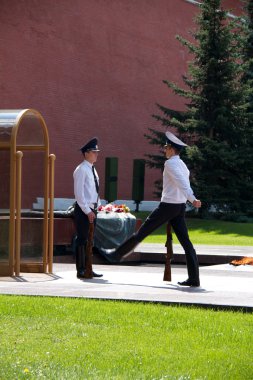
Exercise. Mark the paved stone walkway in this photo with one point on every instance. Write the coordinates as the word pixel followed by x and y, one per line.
pixel 207 254
pixel 221 285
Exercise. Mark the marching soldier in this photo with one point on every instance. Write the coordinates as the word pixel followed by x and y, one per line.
pixel 176 191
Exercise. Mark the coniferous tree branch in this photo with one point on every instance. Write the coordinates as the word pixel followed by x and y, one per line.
pixel 217 120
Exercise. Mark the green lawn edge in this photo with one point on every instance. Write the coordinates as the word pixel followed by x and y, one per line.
pixel 209 232
pixel 66 338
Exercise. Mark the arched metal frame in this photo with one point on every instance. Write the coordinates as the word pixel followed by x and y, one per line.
pixel 16 152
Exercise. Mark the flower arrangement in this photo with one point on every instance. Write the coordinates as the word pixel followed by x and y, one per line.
pixel 114 208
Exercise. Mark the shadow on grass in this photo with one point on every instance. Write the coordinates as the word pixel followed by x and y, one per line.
pixel 213 226
pixel 219 227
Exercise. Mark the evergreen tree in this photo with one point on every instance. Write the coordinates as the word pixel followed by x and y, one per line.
pixel 214 120
pixel 248 50
pixel 247 82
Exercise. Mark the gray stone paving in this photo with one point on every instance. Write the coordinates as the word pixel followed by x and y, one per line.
pixel 207 254
pixel 217 250
pixel 221 285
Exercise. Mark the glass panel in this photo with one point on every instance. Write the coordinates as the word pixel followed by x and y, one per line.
pixel 30 130
pixel 7 121
pixel 32 221
pixel 4 204
pixel 31 240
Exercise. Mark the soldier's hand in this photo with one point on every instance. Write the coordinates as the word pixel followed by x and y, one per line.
pixel 196 203
pixel 91 217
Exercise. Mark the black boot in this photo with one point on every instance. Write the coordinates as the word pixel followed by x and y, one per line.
pixel 193 269
pixel 96 274
pixel 80 261
pixel 116 255
pixel 188 282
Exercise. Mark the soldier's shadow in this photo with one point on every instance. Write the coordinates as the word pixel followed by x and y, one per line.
pixel 168 286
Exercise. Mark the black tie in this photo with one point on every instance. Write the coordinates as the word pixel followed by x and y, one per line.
pixel 95 179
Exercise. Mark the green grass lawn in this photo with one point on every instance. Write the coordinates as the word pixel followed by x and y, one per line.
pixel 211 232
pixel 59 338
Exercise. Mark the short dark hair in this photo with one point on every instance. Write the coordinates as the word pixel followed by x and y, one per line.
pixel 177 150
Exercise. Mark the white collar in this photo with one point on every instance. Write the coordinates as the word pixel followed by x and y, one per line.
pixel 175 157
pixel 87 163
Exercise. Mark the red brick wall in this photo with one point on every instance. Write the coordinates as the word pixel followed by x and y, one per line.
pixel 94 68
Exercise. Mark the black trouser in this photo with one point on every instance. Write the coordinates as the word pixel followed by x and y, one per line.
pixel 175 214
pixel 167 212
pixel 82 229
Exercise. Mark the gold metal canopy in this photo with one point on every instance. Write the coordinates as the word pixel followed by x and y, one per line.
pixel 26 172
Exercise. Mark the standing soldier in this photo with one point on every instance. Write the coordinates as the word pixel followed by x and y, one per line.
pixel 86 187
pixel 176 191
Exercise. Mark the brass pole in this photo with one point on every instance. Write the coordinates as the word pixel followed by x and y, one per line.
pixel 51 213
pixel 13 179
pixel 45 221
pixel 19 156
pixel 46 212
pixel 12 212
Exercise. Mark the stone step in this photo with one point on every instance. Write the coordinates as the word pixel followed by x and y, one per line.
pixel 155 253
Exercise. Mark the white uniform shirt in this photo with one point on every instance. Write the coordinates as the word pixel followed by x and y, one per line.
pixel 176 183
pixel 84 186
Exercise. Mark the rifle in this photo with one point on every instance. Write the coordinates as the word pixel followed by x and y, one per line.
pixel 88 253
pixel 168 245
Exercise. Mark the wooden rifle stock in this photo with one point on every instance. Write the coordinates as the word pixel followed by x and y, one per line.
pixel 168 245
pixel 88 253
